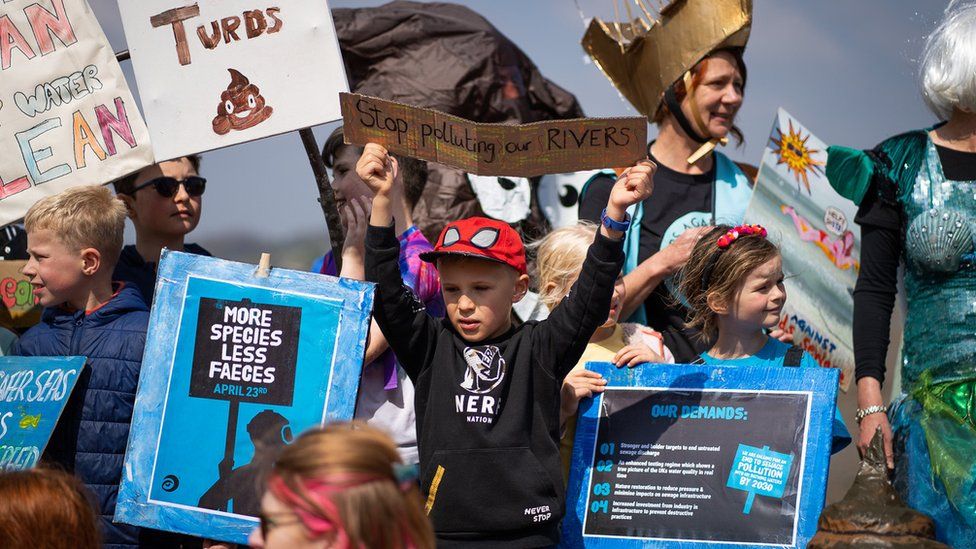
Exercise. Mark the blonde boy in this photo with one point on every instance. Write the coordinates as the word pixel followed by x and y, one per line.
pixel 74 240
pixel 487 392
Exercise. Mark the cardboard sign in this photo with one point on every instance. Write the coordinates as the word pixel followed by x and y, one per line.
pixel 215 73
pixel 820 243
pixel 66 115
pixel 19 306
pixel 701 457
pixel 236 367
pixel 523 150
pixel 33 393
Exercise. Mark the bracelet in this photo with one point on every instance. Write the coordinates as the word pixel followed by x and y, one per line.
pixel 864 412
pixel 613 224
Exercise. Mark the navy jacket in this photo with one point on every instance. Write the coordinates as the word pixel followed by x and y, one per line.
pixel 90 438
pixel 141 274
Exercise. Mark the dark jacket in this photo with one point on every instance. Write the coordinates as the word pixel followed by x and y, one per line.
pixel 141 274
pixel 488 413
pixel 90 438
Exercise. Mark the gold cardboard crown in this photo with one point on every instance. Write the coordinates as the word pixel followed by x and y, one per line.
pixel 643 60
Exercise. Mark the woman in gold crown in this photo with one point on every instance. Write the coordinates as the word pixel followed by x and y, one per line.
pixel 693 100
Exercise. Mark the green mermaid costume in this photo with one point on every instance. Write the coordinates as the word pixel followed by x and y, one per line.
pixel 934 419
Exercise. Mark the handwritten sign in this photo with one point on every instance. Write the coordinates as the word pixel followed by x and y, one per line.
pixel 245 70
pixel 19 306
pixel 681 455
pixel 33 392
pixel 523 150
pixel 819 240
pixel 66 114
pixel 261 360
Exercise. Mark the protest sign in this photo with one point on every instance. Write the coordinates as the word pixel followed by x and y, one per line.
pixel 820 243
pixel 216 73
pixel 33 393
pixel 236 367
pixel 520 150
pixel 66 115
pixel 19 306
pixel 701 457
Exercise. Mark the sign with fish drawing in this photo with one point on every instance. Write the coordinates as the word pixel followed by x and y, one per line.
pixel 67 116
pixel 245 70
pixel 33 392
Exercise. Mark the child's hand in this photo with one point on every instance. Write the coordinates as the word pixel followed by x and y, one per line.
pixel 579 384
pixel 376 169
pixel 634 354
pixel 355 219
pixel 633 186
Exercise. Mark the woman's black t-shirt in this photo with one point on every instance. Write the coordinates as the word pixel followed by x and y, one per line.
pixel 675 195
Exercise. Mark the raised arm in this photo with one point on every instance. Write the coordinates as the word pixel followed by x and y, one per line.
pixel 402 317
pixel 568 329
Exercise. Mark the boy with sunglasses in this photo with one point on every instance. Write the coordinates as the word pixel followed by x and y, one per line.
pixel 164 202
pixel 487 392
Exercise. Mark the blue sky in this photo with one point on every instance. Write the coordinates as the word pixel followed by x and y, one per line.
pixel 846 69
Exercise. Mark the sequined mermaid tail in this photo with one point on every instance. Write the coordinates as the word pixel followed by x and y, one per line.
pixel 935 445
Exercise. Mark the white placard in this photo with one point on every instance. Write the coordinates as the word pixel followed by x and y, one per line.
pixel 215 73
pixel 67 117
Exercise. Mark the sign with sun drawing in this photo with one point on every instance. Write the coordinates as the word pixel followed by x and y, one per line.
pixel 814 227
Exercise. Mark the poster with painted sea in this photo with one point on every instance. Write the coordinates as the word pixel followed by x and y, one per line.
pixel 34 392
pixel 236 366
pixel 67 116
pixel 814 227
pixel 246 69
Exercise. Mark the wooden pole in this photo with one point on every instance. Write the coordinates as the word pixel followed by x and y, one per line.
pixel 326 195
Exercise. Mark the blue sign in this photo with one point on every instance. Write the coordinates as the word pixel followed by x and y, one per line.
pixel 33 393
pixel 759 471
pixel 701 457
pixel 235 368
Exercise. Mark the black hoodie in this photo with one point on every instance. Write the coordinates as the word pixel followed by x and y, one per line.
pixel 488 414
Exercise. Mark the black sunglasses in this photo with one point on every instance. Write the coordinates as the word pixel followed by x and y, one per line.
pixel 168 186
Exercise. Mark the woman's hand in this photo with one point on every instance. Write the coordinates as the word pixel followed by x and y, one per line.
pixel 869 426
pixel 634 354
pixel 869 394
pixel 675 255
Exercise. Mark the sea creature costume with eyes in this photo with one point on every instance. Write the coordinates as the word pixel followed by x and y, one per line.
pixel 934 420
pixel 241 106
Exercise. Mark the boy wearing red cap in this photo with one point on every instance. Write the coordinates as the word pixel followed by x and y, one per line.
pixel 487 393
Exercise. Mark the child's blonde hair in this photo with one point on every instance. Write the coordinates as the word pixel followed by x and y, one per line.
pixel 88 216
pixel 711 270
pixel 559 258
pixel 342 482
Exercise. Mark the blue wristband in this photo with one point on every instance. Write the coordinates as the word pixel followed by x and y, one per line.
pixel 613 224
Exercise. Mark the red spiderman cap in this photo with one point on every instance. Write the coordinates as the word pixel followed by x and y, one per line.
pixel 480 237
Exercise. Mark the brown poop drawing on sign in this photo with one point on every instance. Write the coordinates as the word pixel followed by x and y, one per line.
pixel 241 106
